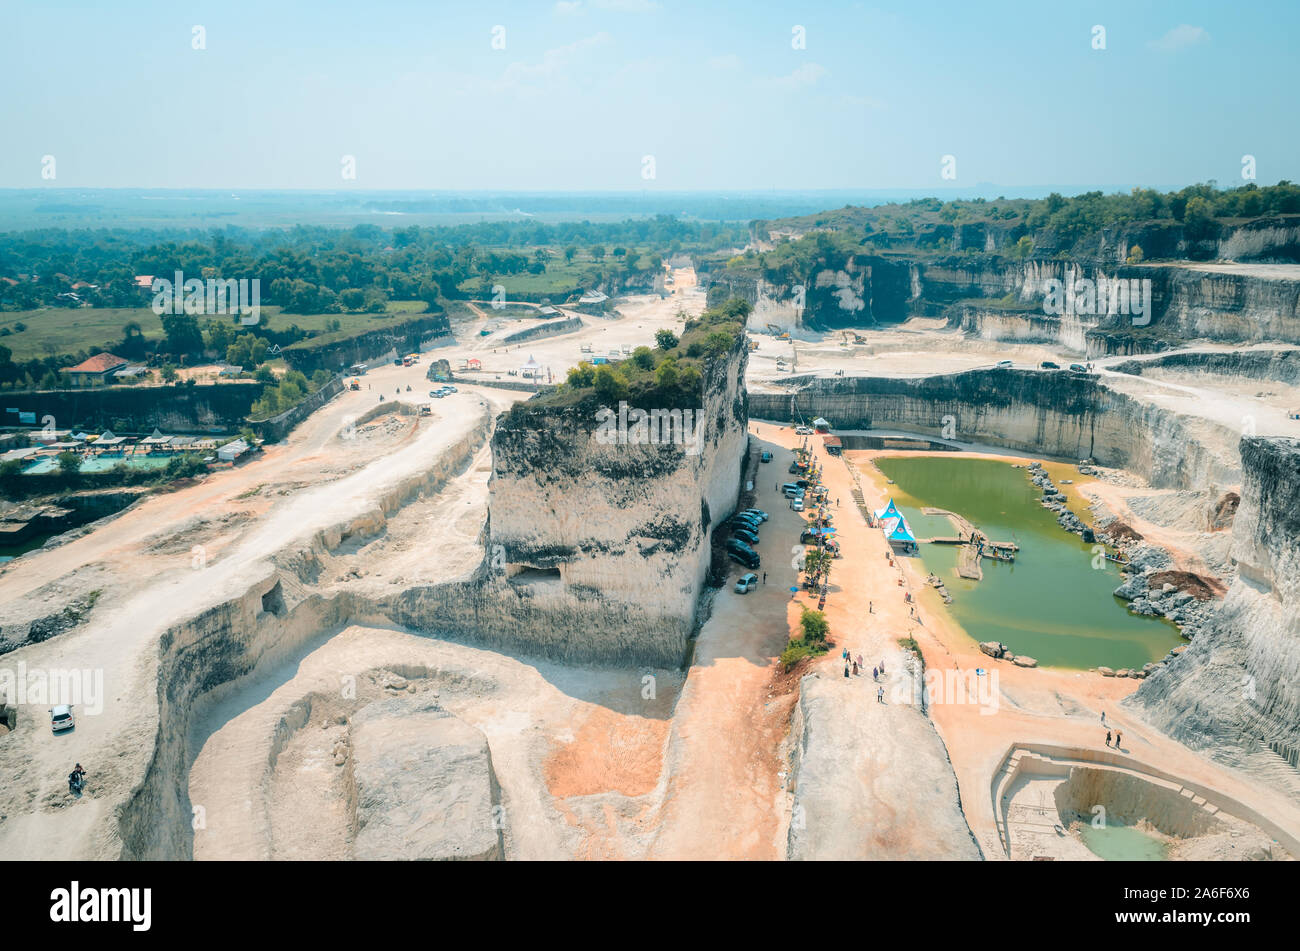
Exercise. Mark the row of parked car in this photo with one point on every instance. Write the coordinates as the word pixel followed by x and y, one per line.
pixel 795 492
pixel 744 535
pixel 444 390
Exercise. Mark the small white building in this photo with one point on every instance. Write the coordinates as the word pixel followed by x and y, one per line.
pixel 232 450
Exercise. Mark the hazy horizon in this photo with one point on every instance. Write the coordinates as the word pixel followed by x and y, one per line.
pixel 631 95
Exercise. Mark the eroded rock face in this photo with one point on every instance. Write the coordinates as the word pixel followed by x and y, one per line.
pixel 1237 685
pixel 597 552
pixel 1062 414
pixel 425 787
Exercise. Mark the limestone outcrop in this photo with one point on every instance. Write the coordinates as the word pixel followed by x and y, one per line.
pixel 1235 690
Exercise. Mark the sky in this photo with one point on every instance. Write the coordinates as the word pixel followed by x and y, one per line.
pixel 645 94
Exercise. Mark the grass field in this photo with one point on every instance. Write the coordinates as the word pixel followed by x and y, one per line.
pixel 53 331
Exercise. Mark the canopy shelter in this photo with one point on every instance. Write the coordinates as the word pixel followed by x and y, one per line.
pixel 821 424
pixel 889 511
pixel 900 531
pixel 531 368
pixel 106 438
pixel 156 439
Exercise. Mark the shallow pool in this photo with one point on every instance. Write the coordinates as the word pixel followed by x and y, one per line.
pixel 1121 843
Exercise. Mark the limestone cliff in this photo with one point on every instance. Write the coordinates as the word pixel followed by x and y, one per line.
pixel 1073 416
pixel 594 552
pixel 1235 691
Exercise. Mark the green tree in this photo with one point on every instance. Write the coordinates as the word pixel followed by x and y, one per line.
pixel 183 334
pixel 69 463
pixel 610 386
pixel 665 339
pixel 814 625
pixel 582 376
pixel 1135 254
pixel 667 376
pixel 644 358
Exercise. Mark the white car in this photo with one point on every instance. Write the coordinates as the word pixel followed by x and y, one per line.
pixel 747 583
pixel 803 431
pixel 61 718
pixel 1005 363
pixel 796 504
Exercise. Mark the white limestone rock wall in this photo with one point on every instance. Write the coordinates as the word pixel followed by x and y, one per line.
pixel 1058 414
pixel 1236 689
pixel 596 553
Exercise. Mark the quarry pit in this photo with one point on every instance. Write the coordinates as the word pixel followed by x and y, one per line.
pixel 312 656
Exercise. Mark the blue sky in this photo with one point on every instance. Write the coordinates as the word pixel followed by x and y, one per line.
pixel 584 90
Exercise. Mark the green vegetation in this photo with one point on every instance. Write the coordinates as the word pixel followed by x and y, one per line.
pixel 1021 228
pixel 662 378
pixel 815 630
pixel 292 389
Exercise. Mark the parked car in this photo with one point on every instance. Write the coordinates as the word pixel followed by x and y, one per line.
pixel 1005 363
pixel 789 488
pixel 758 513
pixel 437 394
pixel 745 535
pixel 61 718
pixel 803 431
pixel 748 524
pixel 764 456
pixel 746 583
pixel 742 553
pixel 1078 368
pixel 1049 365
pixel 797 504
pixel 450 389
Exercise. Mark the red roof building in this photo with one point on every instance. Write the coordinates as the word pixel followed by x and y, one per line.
pixel 97 367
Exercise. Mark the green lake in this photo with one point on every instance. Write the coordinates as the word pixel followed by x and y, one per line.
pixel 1051 603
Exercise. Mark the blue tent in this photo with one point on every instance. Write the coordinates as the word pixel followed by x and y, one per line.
pixel 889 511
pixel 901 532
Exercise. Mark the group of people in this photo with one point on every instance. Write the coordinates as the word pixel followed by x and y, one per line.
pixel 1118 735
pixel 854 665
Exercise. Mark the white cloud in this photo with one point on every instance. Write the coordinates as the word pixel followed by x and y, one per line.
pixel 626 6
pixel 727 61
pixel 1181 37
pixel 568 7
pixel 552 64
pixel 806 75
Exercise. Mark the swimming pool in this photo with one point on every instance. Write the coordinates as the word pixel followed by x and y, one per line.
pixel 100 463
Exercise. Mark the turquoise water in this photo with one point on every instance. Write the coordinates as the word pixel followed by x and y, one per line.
pixel 100 463
pixel 1051 603
pixel 10 552
pixel 1120 843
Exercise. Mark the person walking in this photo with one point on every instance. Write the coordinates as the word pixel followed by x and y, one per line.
pixel 1118 736
pixel 855 668
pixel 846 670
pixel 1103 718
pixel 882 666
pixel 1108 738
pixel 880 695
pixel 765 577
pixel 874 674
